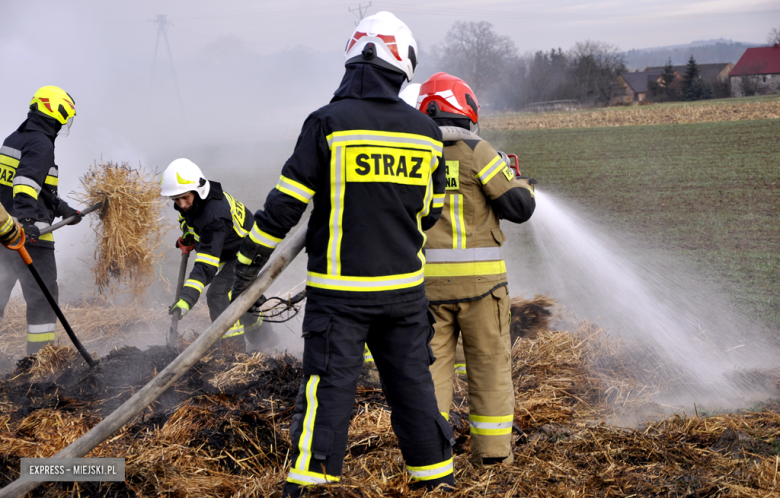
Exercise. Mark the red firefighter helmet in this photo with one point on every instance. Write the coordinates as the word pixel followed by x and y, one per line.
pixel 445 96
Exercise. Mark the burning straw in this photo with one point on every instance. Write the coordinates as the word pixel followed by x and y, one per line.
pixel 130 228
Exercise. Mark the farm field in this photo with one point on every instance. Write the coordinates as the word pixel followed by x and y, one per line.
pixel 708 192
pixel 767 107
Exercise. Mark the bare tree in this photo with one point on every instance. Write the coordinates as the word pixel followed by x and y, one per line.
pixel 474 52
pixel 774 36
pixel 595 67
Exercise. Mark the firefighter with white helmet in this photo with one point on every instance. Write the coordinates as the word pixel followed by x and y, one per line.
pixel 213 223
pixel 372 167
pixel 29 180
pixel 465 274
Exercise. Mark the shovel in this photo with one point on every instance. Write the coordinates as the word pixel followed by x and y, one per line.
pixel 17 244
pixel 173 334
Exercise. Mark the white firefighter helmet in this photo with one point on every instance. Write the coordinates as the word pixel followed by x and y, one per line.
pixel 383 40
pixel 410 94
pixel 182 176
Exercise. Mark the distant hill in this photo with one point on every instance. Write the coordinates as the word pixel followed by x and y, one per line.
pixel 704 51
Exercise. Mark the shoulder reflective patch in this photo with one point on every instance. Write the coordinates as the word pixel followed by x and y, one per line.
pixel 388 165
pixel 453 174
pixel 508 174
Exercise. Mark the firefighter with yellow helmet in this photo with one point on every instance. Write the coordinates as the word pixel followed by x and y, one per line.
pixel 29 180
pixel 213 223
pixel 372 168
pixel 465 274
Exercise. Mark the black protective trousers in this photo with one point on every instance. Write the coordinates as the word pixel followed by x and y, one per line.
pixel 398 335
pixel 41 318
pixel 218 300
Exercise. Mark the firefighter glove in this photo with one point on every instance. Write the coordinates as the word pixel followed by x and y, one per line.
pixel 531 181
pixel 66 212
pixel 185 247
pixel 32 232
pixel 9 232
pixel 183 305
pixel 251 259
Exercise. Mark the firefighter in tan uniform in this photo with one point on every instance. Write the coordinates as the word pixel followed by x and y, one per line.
pixel 465 274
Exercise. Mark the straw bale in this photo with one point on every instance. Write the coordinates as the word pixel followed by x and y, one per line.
pixel 130 229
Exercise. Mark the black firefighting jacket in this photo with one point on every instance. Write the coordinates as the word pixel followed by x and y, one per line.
pixel 28 175
pixel 373 166
pixel 217 223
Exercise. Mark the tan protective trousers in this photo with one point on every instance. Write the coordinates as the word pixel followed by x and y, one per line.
pixel 484 327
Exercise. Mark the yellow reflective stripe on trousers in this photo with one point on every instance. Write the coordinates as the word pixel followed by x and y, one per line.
pixel 307 432
pixel 489 171
pixel 471 269
pixel 430 472
pixel 263 238
pixel 367 356
pixel 457 221
pixel 460 368
pixel 365 284
pixel 236 329
pixel 243 259
pixel 446 416
pixel 306 478
pixel 41 333
pixel 207 259
pixel 294 189
pixel 198 286
pixel 491 426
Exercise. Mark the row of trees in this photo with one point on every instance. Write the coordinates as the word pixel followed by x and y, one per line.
pixel 502 78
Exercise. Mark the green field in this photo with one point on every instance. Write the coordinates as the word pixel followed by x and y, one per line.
pixel 708 193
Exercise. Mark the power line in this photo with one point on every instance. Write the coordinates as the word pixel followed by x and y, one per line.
pixel 162 24
pixel 360 12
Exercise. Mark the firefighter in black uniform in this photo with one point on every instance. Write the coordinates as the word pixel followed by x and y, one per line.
pixel 28 191
pixel 213 224
pixel 373 167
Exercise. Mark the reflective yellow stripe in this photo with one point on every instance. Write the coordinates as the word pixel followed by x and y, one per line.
pixel 263 238
pixel 243 259
pixel 367 356
pixel 365 284
pixel 24 189
pixel 457 221
pixel 307 432
pixel 295 189
pixel 52 180
pixel 236 330
pixel 194 284
pixel 7 226
pixel 47 236
pixel 491 426
pixel 337 188
pixel 207 259
pixel 386 138
pixel 445 415
pixel 460 368
pixel 489 171
pixel 45 337
pixel 438 200
pixel 430 472
pixel 306 478
pixel 238 213
pixel 469 269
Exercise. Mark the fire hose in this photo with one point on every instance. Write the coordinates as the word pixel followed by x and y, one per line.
pixel 13 238
pixel 178 367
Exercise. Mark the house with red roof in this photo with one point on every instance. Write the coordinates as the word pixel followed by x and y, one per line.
pixel 757 72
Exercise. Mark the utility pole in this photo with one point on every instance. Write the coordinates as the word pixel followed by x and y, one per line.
pixel 162 24
pixel 360 12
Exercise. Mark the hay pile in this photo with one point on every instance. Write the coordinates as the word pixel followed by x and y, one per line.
pixel 99 323
pixel 130 229
pixel 222 430
pixel 634 116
